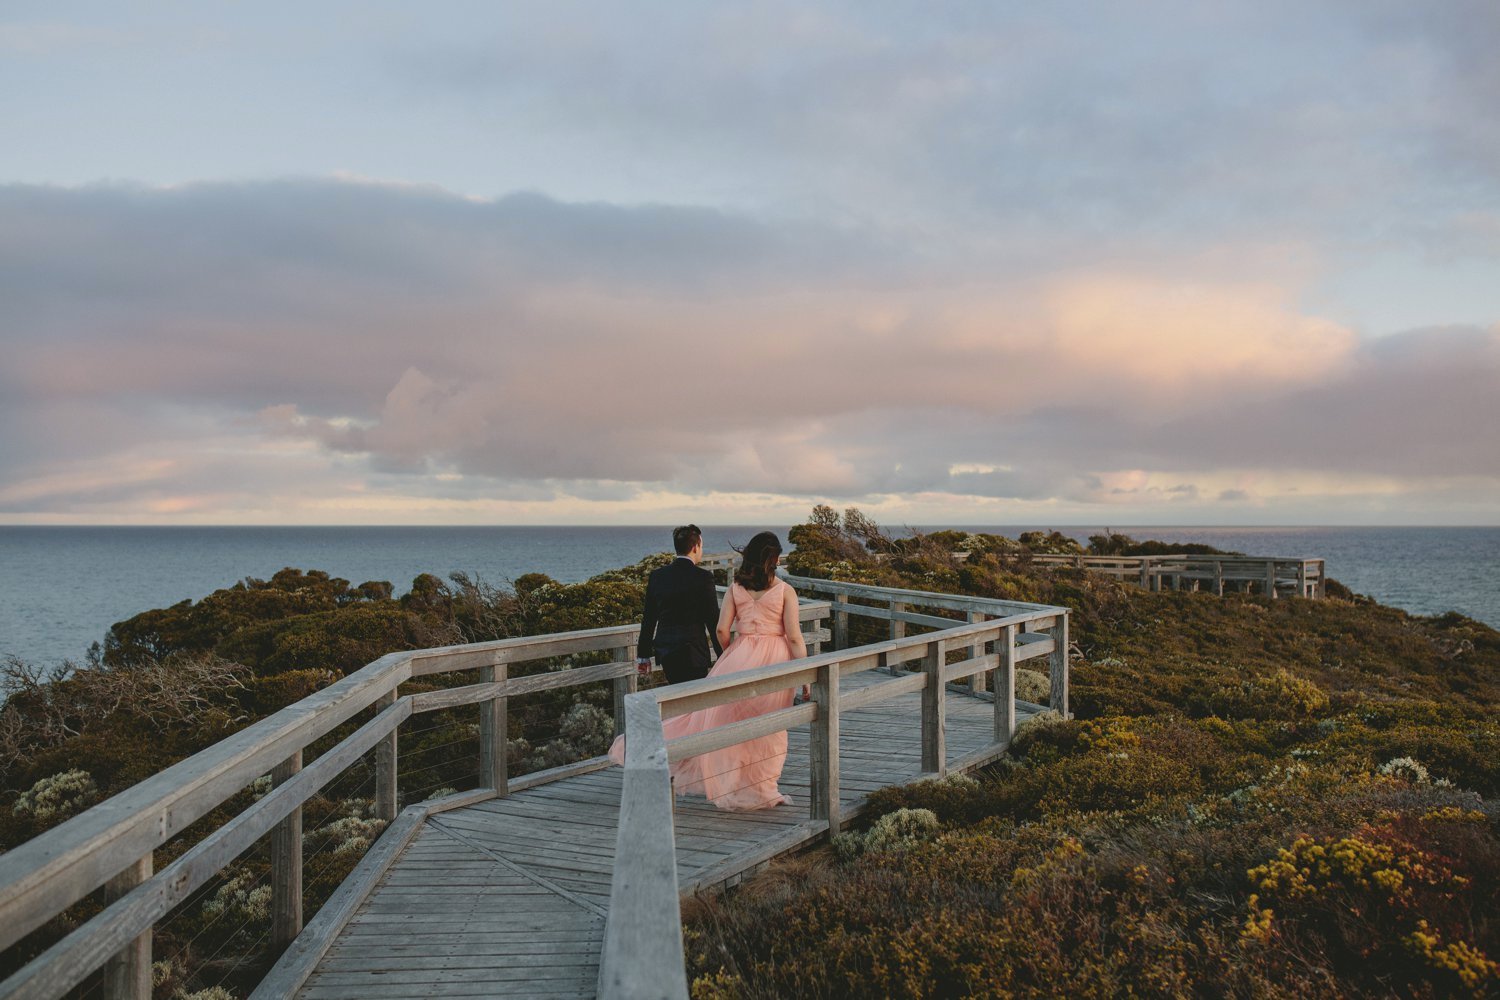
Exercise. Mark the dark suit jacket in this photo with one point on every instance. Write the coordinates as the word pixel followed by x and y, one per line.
pixel 682 612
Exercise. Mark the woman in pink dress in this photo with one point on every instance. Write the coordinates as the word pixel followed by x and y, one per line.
pixel 763 611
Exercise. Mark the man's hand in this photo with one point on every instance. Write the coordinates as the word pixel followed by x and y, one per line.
pixel 643 666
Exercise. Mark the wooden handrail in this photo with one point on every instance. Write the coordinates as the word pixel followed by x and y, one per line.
pixel 49 873
pixel 642 957
pixel 644 927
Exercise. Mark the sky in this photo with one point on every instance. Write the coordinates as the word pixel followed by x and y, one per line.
pixel 595 263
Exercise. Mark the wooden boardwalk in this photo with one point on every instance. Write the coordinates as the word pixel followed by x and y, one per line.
pixel 508 897
pixel 560 883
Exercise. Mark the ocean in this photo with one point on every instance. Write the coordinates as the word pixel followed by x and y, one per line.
pixel 62 587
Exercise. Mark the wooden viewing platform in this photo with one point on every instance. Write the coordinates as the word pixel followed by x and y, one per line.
pixel 561 883
pixel 1273 576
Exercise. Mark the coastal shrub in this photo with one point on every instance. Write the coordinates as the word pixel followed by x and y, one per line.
pixel 351 831
pixel 270 693
pixel 586 731
pixel 212 993
pixel 1033 686
pixel 243 897
pixel 1400 879
pixel 58 797
pixel 341 640
pixel 1049 543
pixel 893 831
pixel 1280 695
pixel 1450 744
pixel 1113 543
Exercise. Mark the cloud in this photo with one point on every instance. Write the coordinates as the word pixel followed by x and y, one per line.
pixel 310 343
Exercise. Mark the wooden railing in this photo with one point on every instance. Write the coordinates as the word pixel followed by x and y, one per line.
pixel 642 954
pixel 1270 575
pixel 112 845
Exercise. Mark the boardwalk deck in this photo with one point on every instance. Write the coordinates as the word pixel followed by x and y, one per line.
pixel 508 897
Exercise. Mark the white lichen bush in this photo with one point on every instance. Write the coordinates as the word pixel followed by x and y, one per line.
pixel 166 971
pixel 260 787
pixel 354 831
pixel 1046 717
pixel 901 828
pixel 212 993
pixel 588 728
pixel 240 898
pixel 893 831
pixel 1033 686
pixel 1406 769
pixel 56 797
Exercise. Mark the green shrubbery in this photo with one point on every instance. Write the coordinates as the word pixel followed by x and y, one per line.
pixel 1282 798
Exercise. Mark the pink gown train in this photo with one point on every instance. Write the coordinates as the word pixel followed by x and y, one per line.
pixel 742 777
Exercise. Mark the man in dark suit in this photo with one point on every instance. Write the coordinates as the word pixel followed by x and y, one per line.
pixel 682 613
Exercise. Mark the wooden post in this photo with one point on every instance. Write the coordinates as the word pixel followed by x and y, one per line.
pixel 898 631
pixel 286 864
pixel 825 747
pixel 1059 667
pixel 127 974
pixel 934 710
pixel 1219 577
pixel 1271 579
pixel 976 681
pixel 1145 572
pixel 1302 578
pixel 840 621
pixel 1005 687
pixel 492 734
pixel 1321 590
pixel 624 686
pixel 386 803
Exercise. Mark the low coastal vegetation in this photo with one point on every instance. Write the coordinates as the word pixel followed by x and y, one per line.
pixel 1259 798
pixel 1256 798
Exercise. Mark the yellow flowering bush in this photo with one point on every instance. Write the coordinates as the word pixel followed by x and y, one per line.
pixel 1470 965
pixel 1309 867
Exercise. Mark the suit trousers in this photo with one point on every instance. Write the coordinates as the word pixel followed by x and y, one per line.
pixel 685 663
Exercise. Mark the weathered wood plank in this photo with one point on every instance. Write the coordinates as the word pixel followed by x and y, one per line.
pixel 493 731
pixel 127 975
pixel 449 828
pixel 824 757
pixel 642 955
pixel 386 764
pixel 300 959
pixel 934 699
pixel 286 863
pixel 1058 667
pixel 1005 688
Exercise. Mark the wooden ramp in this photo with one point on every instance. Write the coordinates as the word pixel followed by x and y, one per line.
pixel 508 897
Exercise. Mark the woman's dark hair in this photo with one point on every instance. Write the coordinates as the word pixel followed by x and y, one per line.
pixel 758 565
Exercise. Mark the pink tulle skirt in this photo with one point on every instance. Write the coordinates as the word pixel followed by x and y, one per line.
pixel 742 777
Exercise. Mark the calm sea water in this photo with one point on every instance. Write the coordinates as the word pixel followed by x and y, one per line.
pixel 61 588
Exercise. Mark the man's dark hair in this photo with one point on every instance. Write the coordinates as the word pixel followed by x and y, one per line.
pixel 685 537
